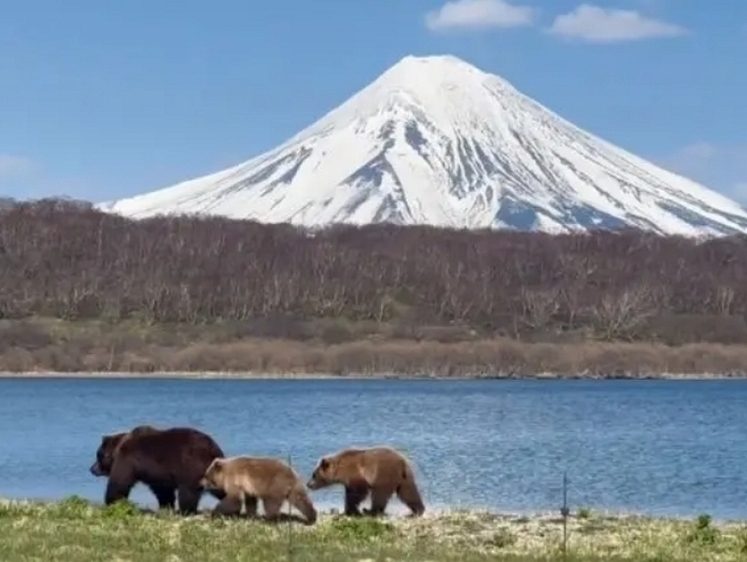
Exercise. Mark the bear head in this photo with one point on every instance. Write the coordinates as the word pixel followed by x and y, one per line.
pixel 214 475
pixel 105 453
pixel 324 475
pixel 109 446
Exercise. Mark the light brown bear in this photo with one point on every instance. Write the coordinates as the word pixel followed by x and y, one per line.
pixel 382 471
pixel 257 478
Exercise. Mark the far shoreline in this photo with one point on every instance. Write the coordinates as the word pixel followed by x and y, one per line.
pixel 42 348
pixel 240 376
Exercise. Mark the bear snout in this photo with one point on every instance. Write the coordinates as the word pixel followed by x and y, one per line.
pixel 96 469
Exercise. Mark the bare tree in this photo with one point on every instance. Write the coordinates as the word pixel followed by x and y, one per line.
pixel 539 307
pixel 619 315
pixel 66 259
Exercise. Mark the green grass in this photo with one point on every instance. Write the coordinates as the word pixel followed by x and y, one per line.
pixel 76 531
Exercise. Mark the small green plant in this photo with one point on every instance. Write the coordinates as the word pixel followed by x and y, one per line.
pixel 583 513
pixel 503 538
pixel 122 509
pixel 703 532
pixel 9 509
pixel 73 507
pixel 742 542
pixel 360 528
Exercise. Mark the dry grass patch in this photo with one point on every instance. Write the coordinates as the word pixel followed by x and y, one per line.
pixel 342 349
pixel 486 358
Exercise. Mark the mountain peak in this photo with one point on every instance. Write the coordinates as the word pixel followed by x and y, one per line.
pixel 435 140
pixel 436 76
pixel 435 66
pixel 442 89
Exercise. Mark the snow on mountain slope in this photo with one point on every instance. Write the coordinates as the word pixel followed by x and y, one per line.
pixel 436 141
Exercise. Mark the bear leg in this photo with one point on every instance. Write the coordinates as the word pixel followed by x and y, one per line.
pixel 409 494
pixel 251 505
pixel 228 507
pixel 165 495
pixel 120 483
pixel 189 499
pixel 272 508
pixel 354 495
pixel 379 499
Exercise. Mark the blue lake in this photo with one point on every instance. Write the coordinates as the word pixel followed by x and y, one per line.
pixel 659 447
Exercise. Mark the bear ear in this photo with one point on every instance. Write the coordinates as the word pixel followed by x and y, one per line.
pixel 324 464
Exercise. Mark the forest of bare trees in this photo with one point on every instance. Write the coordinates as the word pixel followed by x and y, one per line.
pixel 66 260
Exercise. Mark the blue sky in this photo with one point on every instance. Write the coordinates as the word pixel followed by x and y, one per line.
pixel 100 100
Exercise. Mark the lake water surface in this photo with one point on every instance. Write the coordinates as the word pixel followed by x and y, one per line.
pixel 660 447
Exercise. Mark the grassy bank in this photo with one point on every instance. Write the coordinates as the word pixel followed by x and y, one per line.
pixel 74 531
pixel 341 349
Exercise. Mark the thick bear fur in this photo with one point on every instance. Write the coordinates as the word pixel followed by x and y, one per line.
pixel 168 461
pixel 257 478
pixel 380 471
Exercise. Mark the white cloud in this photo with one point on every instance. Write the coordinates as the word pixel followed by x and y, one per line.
pixel 13 166
pixel 697 156
pixel 479 14
pixel 697 153
pixel 609 25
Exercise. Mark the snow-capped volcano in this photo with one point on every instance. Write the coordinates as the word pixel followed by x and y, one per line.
pixel 436 141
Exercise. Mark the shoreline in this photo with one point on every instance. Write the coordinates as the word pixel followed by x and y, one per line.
pixel 76 530
pixel 67 349
pixel 241 376
pixel 397 511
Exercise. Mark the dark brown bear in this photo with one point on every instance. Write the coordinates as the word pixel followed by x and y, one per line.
pixel 380 471
pixel 168 461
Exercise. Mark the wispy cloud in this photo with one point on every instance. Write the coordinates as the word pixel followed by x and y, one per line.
pixel 740 191
pixel 609 25
pixel 24 178
pixel 479 14
pixel 721 167
pixel 697 153
pixel 14 166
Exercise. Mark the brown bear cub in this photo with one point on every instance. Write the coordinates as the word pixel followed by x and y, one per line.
pixel 168 461
pixel 257 478
pixel 382 471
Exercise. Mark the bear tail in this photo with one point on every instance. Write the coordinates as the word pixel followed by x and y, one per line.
pixel 299 498
pixel 409 494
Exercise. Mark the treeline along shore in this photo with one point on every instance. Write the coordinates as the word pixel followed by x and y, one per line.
pixel 84 290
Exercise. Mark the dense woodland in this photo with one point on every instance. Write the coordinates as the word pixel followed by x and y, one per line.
pixel 64 259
